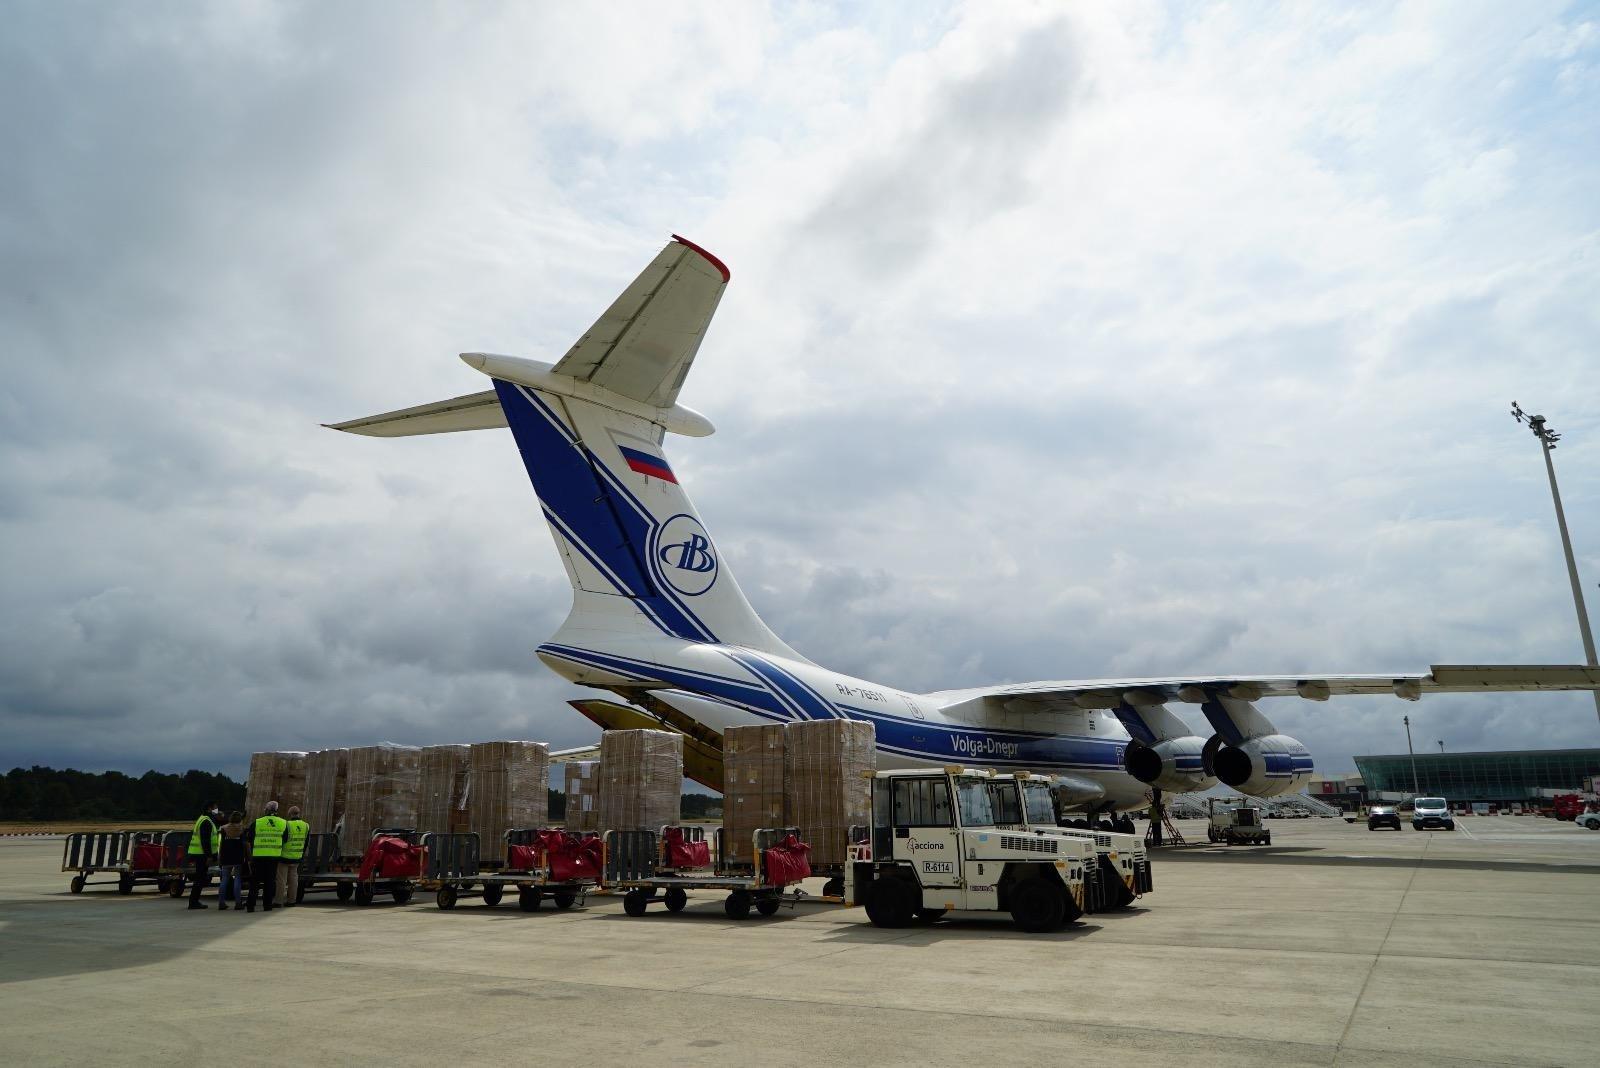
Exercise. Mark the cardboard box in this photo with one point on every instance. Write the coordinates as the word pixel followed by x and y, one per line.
pixel 277 776
pixel 641 780
pixel 381 792
pixel 581 781
pixel 442 789
pixel 826 792
pixel 753 797
pixel 508 787
pixel 327 777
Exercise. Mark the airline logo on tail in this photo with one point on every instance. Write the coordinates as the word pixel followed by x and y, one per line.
pixel 685 557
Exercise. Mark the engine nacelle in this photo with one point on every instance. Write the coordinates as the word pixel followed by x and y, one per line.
pixel 1176 764
pixel 1264 767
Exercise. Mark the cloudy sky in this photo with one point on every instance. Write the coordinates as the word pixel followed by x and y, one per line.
pixel 1062 341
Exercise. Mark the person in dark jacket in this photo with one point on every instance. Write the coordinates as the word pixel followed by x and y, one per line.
pixel 203 842
pixel 230 857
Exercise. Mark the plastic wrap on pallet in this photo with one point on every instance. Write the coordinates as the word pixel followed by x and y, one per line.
pixel 752 791
pixel 641 779
pixel 381 792
pixel 442 789
pixel 581 781
pixel 508 786
pixel 824 785
pixel 276 776
pixel 327 775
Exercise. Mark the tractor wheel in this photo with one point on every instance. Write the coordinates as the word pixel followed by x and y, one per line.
pixel 446 897
pixel 492 893
pixel 529 899
pixel 634 902
pixel 676 900
pixel 364 894
pixel 565 899
pixel 342 891
pixel 768 906
pixel 834 887
pixel 402 894
pixel 891 902
pixel 1038 906
pixel 738 904
pixel 1113 891
pixel 125 884
pixel 77 884
pixel 930 915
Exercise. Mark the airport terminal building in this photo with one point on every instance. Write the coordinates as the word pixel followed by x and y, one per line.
pixel 1520 775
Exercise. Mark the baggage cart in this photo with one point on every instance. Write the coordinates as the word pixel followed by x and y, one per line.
pixel 637 865
pixel 134 857
pixel 323 870
pixel 175 867
pixel 532 868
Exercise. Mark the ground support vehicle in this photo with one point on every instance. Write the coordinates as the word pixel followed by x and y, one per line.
pixel 641 866
pixel 1383 816
pixel 1233 822
pixel 934 847
pixel 133 857
pixel 1429 812
pixel 540 863
pixel 1023 800
pixel 324 870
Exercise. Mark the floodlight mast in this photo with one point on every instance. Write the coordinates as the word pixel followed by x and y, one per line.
pixel 1547 444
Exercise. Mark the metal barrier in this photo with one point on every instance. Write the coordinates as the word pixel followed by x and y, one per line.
pixel 96 850
pixel 321 854
pixel 452 855
pixel 631 855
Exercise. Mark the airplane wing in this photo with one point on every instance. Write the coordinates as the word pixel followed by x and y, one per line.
pixel 644 343
pixel 1444 678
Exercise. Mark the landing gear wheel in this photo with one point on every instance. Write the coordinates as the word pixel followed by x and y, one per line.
pixel 738 905
pixel 343 891
pixel 930 915
pixel 676 900
pixel 492 893
pixel 446 897
pixel 529 899
pixel 834 887
pixel 634 902
pixel 125 884
pixel 768 906
pixel 364 894
pixel 1037 906
pixel 891 902
pixel 402 894
pixel 77 884
pixel 564 899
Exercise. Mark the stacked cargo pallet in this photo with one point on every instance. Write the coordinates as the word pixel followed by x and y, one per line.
pixel 640 779
pixel 752 775
pixel 382 792
pixel 581 781
pixel 327 776
pixel 508 788
pixel 826 790
pixel 277 776
pixel 442 794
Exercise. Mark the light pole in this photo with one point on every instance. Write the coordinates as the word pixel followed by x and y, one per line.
pixel 1414 788
pixel 1547 444
pixel 1441 745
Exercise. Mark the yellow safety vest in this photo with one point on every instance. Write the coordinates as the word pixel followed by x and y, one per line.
pixel 196 843
pixel 294 843
pixel 269 837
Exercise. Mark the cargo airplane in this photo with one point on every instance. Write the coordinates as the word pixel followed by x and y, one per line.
pixel 658 620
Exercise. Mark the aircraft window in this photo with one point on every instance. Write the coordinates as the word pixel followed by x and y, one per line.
pixel 1041 809
pixel 921 803
pixel 973 795
pixel 1003 799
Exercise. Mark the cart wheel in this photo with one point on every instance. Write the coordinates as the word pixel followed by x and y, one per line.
pixel 529 899
pixel 565 899
pixel 767 906
pixel 77 884
pixel 676 899
pixel 174 887
pixel 738 905
pixel 125 884
pixel 343 891
pixel 634 902
pixel 402 894
pixel 834 887
pixel 492 892
pixel 446 897
pixel 364 894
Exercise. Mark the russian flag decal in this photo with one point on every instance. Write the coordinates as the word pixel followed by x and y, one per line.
pixel 646 464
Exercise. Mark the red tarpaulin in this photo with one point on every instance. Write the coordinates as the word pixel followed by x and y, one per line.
pixel 572 857
pixel 685 854
pixel 787 862
pixel 388 857
pixel 523 858
pixel 147 856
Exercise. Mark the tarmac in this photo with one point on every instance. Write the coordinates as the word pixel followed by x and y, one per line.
pixel 1333 946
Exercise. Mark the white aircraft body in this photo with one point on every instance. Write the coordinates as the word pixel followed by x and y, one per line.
pixel 658 619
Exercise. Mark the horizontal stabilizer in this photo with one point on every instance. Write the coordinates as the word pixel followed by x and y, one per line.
pixel 475 411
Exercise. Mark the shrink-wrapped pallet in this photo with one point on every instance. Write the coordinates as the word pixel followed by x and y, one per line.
pixel 381 792
pixel 641 780
pixel 752 787
pixel 327 774
pixel 581 780
pixel 442 789
pixel 278 776
pixel 508 787
pixel 825 785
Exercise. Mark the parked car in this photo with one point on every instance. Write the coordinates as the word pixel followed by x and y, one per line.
pixel 1383 816
pixel 1431 812
pixel 1591 820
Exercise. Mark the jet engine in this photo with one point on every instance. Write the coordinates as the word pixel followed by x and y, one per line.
pixel 1264 767
pixel 1176 765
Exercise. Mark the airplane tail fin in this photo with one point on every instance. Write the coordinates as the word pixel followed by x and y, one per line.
pixel 590 430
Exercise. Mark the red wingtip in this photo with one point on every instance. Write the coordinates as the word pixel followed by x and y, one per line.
pixel 722 268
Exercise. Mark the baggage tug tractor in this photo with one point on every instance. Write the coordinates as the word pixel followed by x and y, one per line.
pixel 933 846
pixel 1026 801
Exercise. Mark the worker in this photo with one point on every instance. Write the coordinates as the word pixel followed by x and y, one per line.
pixel 294 847
pixel 203 842
pixel 265 838
pixel 230 862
